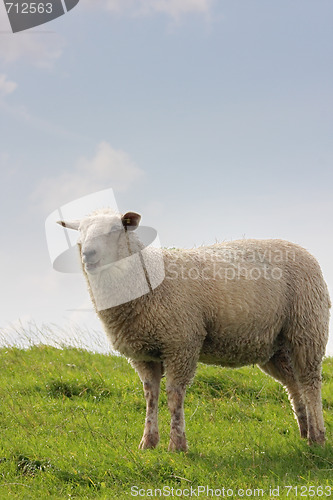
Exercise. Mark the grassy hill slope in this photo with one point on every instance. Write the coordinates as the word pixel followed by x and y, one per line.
pixel 71 421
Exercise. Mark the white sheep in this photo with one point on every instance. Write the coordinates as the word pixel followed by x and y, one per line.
pixel 238 303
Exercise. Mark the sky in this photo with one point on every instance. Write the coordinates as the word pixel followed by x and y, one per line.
pixel 212 119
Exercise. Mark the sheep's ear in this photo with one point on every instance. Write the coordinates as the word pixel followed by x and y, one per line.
pixel 131 220
pixel 74 224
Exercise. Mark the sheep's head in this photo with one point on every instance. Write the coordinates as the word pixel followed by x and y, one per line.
pixel 101 234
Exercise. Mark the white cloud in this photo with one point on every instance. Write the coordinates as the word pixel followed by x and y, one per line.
pixel 6 86
pixel 108 168
pixel 39 48
pixel 173 8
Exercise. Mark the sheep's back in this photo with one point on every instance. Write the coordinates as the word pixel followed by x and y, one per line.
pixel 247 292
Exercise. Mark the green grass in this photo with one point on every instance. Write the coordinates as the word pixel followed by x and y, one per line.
pixel 71 422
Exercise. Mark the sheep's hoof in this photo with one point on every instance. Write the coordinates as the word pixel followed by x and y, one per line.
pixel 178 443
pixel 149 441
pixel 304 433
pixel 318 439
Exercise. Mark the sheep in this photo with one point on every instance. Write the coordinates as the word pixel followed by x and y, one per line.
pixel 231 304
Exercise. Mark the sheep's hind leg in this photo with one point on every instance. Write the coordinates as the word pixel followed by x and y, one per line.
pixel 150 374
pixel 306 358
pixel 311 386
pixel 280 367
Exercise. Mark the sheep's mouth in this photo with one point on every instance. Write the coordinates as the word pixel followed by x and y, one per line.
pixel 97 267
pixel 91 266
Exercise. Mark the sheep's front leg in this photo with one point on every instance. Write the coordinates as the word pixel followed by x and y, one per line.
pixel 150 374
pixel 176 396
pixel 180 369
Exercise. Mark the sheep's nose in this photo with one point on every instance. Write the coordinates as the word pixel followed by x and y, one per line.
pixel 88 255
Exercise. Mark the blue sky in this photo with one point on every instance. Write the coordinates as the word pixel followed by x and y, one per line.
pixel 213 119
